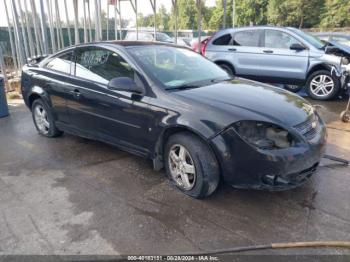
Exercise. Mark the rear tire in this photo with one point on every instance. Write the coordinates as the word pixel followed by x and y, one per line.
pixel 322 85
pixel 43 119
pixel 228 69
pixel 200 165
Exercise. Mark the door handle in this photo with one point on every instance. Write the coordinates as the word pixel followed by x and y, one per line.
pixel 76 93
pixel 268 51
pixel 232 49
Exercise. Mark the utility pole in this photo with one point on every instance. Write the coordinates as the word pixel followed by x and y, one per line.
pixel 13 48
pixel 107 17
pixel 97 23
pixel 84 23
pixel 120 21
pixel 134 6
pixel 89 20
pixel 76 25
pixel 18 36
pixel 154 7
pixel 68 26
pixel 51 26
pixel 199 22
pixel 175 15
pixel 233 12
pixel 224 4
pixel 43 28
pixel 29 31
pixel 24 36
pixel 58 20
pixel 115 20
pixel 38 39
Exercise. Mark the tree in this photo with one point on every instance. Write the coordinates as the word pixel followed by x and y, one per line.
pixel 297 13
pixel 162 19
pixel 186 15
pixel 251 12
pixel 216 20
pixel 336 13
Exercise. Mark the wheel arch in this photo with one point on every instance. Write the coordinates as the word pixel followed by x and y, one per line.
pixel 37 93
pixel 318 67
pixel 158 160
pixel 224 62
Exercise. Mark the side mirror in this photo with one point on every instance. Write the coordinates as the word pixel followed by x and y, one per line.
pixel 125 84
pixel 297 47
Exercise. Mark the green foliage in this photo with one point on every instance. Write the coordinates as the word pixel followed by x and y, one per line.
pixel 162 19
pixel 251 12
pixel 296 13
pixel 336 13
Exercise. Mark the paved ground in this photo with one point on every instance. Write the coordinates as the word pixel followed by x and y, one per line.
pixel 74 196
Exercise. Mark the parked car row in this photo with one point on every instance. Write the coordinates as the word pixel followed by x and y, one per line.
pixel 147 35
pixel 280 55
pixel 182 111
pixel 274 55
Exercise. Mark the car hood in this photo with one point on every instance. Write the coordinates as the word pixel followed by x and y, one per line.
pixel 341 47
pixel 241 99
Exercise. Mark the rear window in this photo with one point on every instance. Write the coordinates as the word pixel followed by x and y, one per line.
pixel 61 63
pixel 223 40
pixel 247 38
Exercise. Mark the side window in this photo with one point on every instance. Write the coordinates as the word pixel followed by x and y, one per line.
pixel 279 39
pixel 247 38
pixel 145 36
pixel 61 63
pixel 130 36
pixel 101 65
pixel 223 40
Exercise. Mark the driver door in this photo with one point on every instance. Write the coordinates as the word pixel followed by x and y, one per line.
pixel 278 61
pixel 113 116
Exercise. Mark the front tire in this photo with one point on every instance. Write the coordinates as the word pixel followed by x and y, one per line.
pixel 228 69
pixel 191 166
pixel 322 85
pixel 43 119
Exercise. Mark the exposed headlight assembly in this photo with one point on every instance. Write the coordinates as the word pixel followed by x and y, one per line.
pixel 264 135
pixel 345 61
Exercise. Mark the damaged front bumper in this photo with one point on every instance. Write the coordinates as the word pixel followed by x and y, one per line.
pixel 244 166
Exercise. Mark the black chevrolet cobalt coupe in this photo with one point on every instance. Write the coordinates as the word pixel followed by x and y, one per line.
pixel 175 107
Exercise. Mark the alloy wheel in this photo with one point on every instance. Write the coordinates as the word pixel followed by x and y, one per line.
pixel 322 85
pixel 182 167
pixel 41 119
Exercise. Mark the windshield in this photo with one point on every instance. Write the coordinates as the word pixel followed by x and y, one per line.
pixel 163 37
pixel 313 40
pixel 177 67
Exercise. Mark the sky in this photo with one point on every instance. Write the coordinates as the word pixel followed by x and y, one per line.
pixel 144 7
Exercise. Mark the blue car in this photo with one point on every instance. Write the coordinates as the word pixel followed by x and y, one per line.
pixel 282 55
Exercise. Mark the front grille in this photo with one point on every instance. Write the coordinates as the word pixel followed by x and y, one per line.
pixel 310 127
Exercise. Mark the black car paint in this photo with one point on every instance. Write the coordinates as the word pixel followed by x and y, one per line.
pixel 140 123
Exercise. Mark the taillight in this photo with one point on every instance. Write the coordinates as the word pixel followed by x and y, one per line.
pixel 204 46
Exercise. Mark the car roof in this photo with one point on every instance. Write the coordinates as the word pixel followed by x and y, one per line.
pixel 257 27
pixel 124 43
pixel 333 33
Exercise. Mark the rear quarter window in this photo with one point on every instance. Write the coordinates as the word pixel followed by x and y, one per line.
pixel 61 63
pixel 247 38
pixel 223 40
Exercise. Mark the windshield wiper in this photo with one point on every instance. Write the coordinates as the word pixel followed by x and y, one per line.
pixel 218 80
pixel 182 87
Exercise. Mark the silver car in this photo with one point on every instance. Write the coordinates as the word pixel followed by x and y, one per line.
pixel 280 55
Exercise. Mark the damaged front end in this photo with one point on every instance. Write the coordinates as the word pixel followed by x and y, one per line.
pixel 260 155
